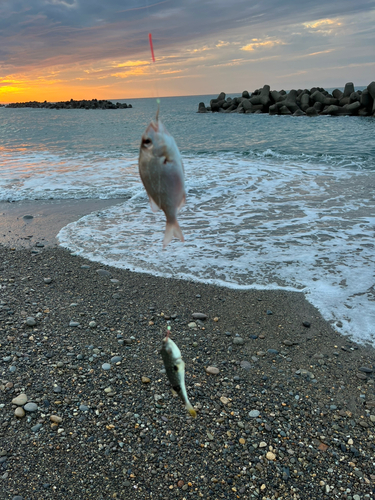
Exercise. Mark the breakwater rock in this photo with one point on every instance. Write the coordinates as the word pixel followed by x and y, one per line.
pixel 313 102
pixel 72 104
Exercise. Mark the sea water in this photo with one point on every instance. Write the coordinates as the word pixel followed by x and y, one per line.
pixel 273 202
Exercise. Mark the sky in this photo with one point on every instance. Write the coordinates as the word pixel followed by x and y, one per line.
pixel 83 49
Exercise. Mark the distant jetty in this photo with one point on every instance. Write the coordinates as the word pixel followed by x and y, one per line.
pixel 72 104
pixel 313 102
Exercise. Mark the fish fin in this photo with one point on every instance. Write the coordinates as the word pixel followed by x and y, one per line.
pixel 172 229
pixel 182 203
pixel 153 205
pixel 191 410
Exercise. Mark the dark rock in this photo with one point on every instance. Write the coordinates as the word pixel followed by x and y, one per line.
pixel 284 111
pixel 245 94
pixel 349 89
pixel 202 108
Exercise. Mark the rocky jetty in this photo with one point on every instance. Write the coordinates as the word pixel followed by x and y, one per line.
pixel 313 102
pixel 72 104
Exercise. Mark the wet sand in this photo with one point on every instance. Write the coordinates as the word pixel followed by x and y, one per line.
pixel 25 223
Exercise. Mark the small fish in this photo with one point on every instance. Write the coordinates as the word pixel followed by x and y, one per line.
pixel 162 174
pixel 175 369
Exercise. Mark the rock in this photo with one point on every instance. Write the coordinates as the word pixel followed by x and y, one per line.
pixel 56 419
pixel 47 280
pixel 270 456
pixel 224 400
pixel 73 323
pixel 103 272
pixel 311 111
pixel 284 111
pixel 245 94
pixel 106 366
pixel 254 413
pixel 30 321
pixel 238 341
pixel 365 369
pixel 19 412
pixel 92 324
pixel 20 400
pixel 30 407
pixel 145 380
pixel 116 359
pixel 200 316
pixel 192 324
pixel 245 365
pixel 212 370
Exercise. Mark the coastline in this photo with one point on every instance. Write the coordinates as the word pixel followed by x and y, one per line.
pixel 291 412
pixel 47 218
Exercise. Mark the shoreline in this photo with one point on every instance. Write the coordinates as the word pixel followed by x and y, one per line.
pixel 44 219
pixel 290 413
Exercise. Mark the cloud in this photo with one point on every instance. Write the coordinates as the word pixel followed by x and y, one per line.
pixel 257 44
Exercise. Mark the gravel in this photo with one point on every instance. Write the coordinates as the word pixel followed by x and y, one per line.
pixel 295 423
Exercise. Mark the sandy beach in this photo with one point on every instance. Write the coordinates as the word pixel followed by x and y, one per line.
pixel 290 413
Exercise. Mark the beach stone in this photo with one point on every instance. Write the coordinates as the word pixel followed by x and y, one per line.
pixel 47 280
pixel 224 400
pixel 361 376
pixel 83 408
pixel 73 323
pixel 30 407
pixel 103 272
pixel 116 359
pixel 270 456
pixel 200 316
pixel 17 497
pixel 30 321
pixel 92 324
pixel 238 341
pixel 19 412
pixel 20 400
pixel 28 217
pixel 106 366
pixel 85 266
pixel 365 369
pixel 254 413
pixel 245 365
pixel 56 419
pixel 192 324
pixel 212 370
pixel 145 380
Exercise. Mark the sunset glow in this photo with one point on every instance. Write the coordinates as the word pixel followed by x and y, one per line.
pixel 60 50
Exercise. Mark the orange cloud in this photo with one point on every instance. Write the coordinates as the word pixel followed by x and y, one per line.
pixel 257 44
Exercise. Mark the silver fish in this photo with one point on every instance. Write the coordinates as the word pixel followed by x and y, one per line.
pixel 175 369
pixel 162 174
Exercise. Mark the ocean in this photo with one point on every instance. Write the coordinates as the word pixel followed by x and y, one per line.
pixel 273 202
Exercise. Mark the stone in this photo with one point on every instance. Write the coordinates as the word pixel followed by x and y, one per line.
pixel 212 370
pixel 145 380
pixel 365 369
pixel 245 365
pixel 254 413
pixel 47 280
pixel 103 272
pixel 30 407
pixel 30 321
pixel 19 412
pixel 270 456
pixel 224 400
pixel 92 324
pixel 192 324
pixel 200 316
pixel 20 400
pixel 238 341
pixel 73 323
pixel 56 419
pixel 116 359
pixel 106 366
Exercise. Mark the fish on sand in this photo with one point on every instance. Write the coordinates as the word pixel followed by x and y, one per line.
pixel 162 174
pixel 175 370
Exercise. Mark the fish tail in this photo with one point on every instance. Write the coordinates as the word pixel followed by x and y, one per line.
pixel 191 410
pixel 172 229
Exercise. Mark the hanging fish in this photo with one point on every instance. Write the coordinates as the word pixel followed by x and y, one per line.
pixel 175 369
pixel 162 174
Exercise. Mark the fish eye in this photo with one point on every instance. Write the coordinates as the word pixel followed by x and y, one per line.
pixel 147 143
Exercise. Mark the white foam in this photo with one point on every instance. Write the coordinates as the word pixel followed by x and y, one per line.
pixel 258 222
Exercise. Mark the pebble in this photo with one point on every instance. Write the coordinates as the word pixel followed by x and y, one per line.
pixel 270 456
pixel 306 324
pixel 27 216
pixel 30 321
pixel 92 324
pixel 103 272
pixel 36 427
pixel 224 400
pixel 83 408
pixel 47 281
pixel 20 400
pixel 30 407
pixel 365 369
pixel 106 366
pixel 272 351
pixel 56 419
pixel 73 323
pixel 200 316
pixel 238 341
pixel 192 324
pixel 254 413
pixel 145 380
pixel 212 370
pixel 245 365
pixel 19 412
pixel 116 359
